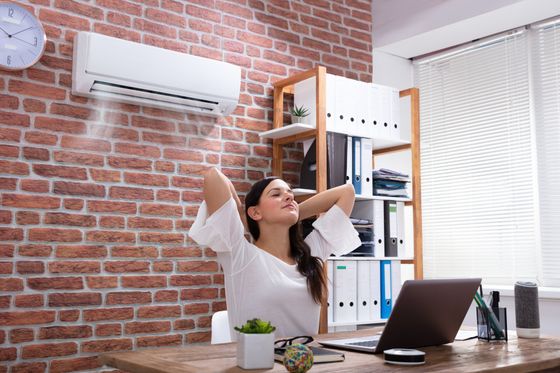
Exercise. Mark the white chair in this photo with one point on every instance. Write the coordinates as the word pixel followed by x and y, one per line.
pixel 220 328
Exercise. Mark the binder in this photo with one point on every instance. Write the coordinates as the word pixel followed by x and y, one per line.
pixel 395 114
pixel 375 120
pixel 349 162
pixel 336 163
pixel 368 290
pixel 357 164
pixel 345 292
pixel 390 214
pixel 367 182
pixel 331 103
pixel 330 289
pixel 378 227
pixel 396 284
pixel 401 248
pixel 386 288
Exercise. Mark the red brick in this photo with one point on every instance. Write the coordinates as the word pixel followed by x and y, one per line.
pixel 11 284
pixel 131 297
pixel 60 125
pixel 164 166
pixel 115 133
pixel 36 90
pixel 55 235
pixel 26 317
pixel 60 283
pixel 101 314
pixel 126 266
pixel 34 185
pixel 181 252
pixel 27 267
pixel 198 294
pixel 197 266
pixel 110 236
pixel 154 341
pixel 113 207
pixel 74 267
pixel 79 158
pixel 29 300
pixel 135 149
pixel 150 223
pixel 119 19
pixel 35 250
pixel 182 155
pixel 65 332
pixel 8 353
pixel 160 209
pixel 74 299
pixel 60 218
pixel 134 163
pixel 117 32
pixel 166 296
pixel 48 350
pixel 34 106
pixel 79 189
pixel 186 324
pixel 146 179
pixel 10 134
pixel 187 182
pixel 72 365
pixel 119 192
pixel 107 345
pixel 68 315
pixel 106 330
pixel 40 138
pixel 159 311
pixel 8 184
pixel 134 252
pixel 190 280
pixel 105 175
pixel 164 139
pixel 9 102
pixel 112 222
pixel 60 171
pixel 27 201
pixel 162 266
pixel 85 143
pixel 81 251
pixel 38 367
pixel 162 237
pixel 168 195
pixel 9 151
pixel 14 119
pixel 5 301
pixel 198 337
pixel 11 234
pixel 5 217
pixel 144 281
pixel 6 268
pixel 102 282
pixel 21 335
pixel 14 168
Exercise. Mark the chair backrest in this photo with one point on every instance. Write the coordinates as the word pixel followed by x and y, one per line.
pixel 220 328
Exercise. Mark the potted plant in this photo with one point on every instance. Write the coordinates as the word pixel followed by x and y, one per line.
pixel 255 345
pixel 298 113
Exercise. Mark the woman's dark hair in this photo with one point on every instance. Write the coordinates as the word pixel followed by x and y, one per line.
pixel 309 266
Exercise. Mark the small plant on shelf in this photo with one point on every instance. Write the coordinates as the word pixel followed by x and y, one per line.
pixel 298 113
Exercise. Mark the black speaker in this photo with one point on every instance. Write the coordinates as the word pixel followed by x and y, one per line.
pixel 527 309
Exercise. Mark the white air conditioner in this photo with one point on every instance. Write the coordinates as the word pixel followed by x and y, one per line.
pixel 125 71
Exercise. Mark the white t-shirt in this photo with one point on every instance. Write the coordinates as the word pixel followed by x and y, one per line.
pixel 258 284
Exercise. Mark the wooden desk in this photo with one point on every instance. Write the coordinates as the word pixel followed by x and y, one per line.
pixel 523 355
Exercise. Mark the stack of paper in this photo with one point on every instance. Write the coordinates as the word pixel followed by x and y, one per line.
pixel 388 182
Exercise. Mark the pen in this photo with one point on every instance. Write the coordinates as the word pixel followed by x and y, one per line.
pixel 494 323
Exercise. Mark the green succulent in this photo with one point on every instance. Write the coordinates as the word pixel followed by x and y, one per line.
pixel 256 326
pixel 300 111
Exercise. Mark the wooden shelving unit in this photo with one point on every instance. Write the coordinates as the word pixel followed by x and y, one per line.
pixel 281 136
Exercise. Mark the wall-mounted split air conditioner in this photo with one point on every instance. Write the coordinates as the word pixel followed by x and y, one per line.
pixel 120 70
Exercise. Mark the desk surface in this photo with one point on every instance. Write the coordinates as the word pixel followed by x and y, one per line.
pixel 517 355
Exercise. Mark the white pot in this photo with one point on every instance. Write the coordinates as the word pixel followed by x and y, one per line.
pixel 296 119
pixel 255 351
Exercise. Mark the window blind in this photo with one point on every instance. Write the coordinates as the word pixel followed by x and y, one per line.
pixel 546 64
pixel 478 190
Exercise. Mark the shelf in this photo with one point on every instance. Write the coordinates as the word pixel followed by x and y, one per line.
pixel 304 192
pixel 289 130
pixel 360 258
pixel 348 323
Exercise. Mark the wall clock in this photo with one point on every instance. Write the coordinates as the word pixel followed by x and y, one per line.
pixel 22 37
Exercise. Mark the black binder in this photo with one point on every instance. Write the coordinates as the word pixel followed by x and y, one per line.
pixel 336 163
pixel 390 217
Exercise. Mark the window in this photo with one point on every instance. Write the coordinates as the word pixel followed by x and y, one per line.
pixel 480 182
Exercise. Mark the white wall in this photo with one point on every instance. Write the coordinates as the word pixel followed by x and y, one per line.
pixel 442 24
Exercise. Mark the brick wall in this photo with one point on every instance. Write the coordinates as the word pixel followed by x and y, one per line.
pixel 97 197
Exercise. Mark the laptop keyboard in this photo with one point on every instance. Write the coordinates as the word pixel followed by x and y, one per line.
pixel 370 343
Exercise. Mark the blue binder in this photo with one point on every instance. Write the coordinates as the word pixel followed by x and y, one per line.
pixel 357 164
pixel 386 289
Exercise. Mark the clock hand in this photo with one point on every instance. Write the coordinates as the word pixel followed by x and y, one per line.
pixel 5 31
pixel 26 42
pixel 20 31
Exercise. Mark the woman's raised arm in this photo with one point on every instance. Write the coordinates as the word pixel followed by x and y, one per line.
pixel 342 195
pixel 218 189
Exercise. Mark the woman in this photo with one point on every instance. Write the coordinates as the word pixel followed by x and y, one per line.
pixel 279 277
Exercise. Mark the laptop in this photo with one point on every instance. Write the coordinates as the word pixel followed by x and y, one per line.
pixel 426 313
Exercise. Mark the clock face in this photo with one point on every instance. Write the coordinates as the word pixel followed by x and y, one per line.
pixel 22 37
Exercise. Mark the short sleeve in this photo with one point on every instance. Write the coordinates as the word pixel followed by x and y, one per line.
pixel 333 234
pixel 221 231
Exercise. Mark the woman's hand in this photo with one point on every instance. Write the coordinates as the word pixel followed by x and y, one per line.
pixel 342 195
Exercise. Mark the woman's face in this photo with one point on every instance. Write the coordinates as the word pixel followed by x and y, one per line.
pixel 277 204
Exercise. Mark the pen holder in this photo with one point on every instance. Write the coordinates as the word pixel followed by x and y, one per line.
pixel 492 329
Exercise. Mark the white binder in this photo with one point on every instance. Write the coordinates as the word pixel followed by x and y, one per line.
pixel 396 284
pixel 368 290
pixel 345 292
pixel 349 163
pixel 367 182
pixel 363 92
pixel 331 103
pixel 375 121
pixel 401 248
pixel 379 227
pixel 395 114
pixel 385 102
pixel 330 289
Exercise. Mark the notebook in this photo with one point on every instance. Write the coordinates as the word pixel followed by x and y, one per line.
pixel 426 313
pixel 320 355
